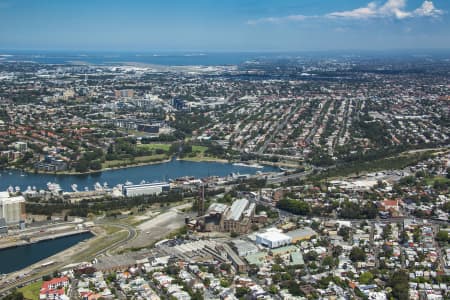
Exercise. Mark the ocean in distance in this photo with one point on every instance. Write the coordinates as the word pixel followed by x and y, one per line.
pixel 156 58
pixel 197 58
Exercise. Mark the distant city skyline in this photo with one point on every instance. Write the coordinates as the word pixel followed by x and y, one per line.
pixel 231 26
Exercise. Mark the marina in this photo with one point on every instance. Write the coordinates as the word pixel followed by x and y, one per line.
pixel 21 181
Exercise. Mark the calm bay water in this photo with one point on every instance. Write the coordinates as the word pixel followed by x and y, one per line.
pixel 13 259
pixel 150 173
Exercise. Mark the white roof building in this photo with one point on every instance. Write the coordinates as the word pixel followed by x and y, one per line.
pixel 273 239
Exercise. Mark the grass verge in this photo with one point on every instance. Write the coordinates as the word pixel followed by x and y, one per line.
pixel 137 160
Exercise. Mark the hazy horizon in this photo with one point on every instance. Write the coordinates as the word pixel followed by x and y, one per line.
pixel 200 52
pixel 228 26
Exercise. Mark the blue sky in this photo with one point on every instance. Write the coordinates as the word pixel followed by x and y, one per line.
pixel 224 25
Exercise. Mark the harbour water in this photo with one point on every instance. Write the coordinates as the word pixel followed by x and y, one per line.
pixel 13 259
pixel 150 173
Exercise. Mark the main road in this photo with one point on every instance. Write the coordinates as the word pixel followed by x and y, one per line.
pixel 284 178
pixel 132 233
pixel 280 126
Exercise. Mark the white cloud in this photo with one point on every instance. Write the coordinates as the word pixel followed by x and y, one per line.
pixel 395 9
pixel 358 13
pixel 428 10
pixel 390 9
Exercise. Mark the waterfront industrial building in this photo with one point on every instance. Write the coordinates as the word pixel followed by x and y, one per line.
pixel 145 189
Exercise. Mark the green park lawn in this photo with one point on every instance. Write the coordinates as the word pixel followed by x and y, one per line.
pixel 31 291
pixel 164 147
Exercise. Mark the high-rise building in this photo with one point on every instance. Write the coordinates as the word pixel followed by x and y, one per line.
pixel 12 209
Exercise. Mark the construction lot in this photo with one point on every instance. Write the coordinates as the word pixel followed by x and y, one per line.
pixel 159 226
